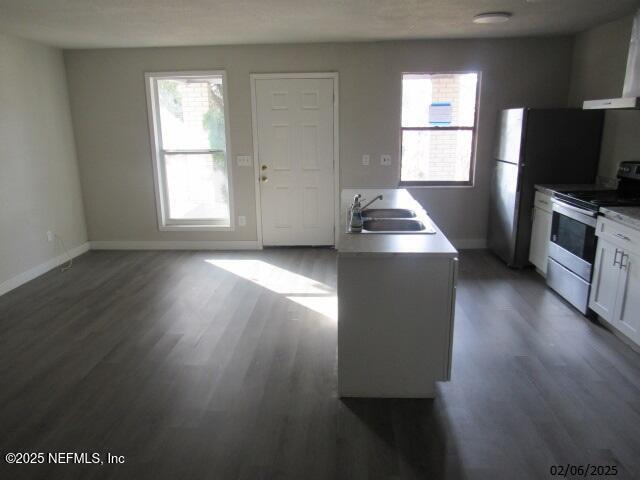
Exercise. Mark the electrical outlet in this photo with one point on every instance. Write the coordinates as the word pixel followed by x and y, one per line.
pixel 50 236
pixel 242 221
pixel 243 160
pixel 385 160
pixel 365 160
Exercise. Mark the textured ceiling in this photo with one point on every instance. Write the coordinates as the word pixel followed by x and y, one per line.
pixel 133 23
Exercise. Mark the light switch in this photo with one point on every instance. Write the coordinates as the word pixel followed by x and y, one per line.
pixel 244 160
pixel 385 160
pixel 365 160
pixel 242 221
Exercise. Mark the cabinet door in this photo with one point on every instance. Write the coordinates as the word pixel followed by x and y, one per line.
pixel 540 234
pixel 627 318
pixel 605 280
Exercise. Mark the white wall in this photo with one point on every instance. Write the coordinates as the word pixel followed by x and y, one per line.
pixel 599 64
pixel 39 182
pixel 110 119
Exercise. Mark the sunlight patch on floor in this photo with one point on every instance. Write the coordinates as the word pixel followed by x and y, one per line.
pixel 325 305
pixel 297 288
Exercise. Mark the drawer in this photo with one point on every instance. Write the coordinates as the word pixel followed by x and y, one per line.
pixel 542 201
pixel 618 234
pixel 571 287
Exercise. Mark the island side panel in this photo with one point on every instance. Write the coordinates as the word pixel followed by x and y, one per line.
pixel 394 324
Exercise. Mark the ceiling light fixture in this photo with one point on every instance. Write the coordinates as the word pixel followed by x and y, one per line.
pixel 492 17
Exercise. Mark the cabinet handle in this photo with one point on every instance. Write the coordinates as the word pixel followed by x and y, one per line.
pixel 623 237
pixel 615 257
pixel 624 265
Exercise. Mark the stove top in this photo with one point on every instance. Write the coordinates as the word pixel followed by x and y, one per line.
pixel 627 194
pixel 594 199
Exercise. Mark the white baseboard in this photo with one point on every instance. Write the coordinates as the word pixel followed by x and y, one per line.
pixel 41 269
pixel 8 285
pixel 175 245
pixel 469 243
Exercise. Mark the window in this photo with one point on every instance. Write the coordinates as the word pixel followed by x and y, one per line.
pixel 189 127
pixel 438 128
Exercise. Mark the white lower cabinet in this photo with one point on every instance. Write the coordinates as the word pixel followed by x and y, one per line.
pixel 615 289
pixel 604 286
pixel 627 314
pixel 540 231
pixel 540 234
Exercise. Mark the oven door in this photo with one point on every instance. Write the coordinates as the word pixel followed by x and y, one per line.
pixel 573 238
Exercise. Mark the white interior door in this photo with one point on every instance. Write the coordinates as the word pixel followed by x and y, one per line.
pixel 295 150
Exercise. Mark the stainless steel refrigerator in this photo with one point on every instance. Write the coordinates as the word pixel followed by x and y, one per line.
pixel 536 146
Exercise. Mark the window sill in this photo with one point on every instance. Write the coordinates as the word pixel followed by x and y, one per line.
pixel 196 228
pixel 435 185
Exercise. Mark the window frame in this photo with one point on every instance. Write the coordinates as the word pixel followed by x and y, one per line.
pixel 165 223
pixel 474 136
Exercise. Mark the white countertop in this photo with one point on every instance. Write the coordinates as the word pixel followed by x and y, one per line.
pixel 548 189
pixel 629 216
pixel 435 244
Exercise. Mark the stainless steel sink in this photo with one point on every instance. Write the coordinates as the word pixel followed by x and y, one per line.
pixel 393 225
pixel 388 213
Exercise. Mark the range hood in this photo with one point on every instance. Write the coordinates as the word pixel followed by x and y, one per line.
pixel 631 90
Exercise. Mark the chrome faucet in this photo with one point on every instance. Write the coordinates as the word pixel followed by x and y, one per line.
pixel 355 212
pixel 379 197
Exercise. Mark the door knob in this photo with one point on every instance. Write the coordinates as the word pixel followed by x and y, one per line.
pixel 264 178
pixel 264 167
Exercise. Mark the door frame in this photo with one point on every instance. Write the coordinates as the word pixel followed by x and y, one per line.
pixel 336 144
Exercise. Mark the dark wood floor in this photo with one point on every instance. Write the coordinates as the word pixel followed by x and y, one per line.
pixel 201 365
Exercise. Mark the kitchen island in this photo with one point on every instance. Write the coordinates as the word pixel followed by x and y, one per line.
pixel 396 303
